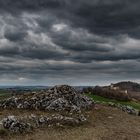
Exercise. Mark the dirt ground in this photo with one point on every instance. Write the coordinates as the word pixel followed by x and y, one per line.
pixel 105 123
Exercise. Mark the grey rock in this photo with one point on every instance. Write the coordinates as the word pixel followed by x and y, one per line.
pixel 128 109
pixel 14 125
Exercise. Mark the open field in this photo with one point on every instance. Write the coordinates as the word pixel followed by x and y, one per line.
pixel 105 123
pixel 4 93
pixel 135 105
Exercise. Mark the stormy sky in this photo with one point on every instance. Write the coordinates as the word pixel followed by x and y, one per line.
pixel 76 42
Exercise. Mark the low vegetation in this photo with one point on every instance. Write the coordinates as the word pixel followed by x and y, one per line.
pixel 3 132
pixel 4 93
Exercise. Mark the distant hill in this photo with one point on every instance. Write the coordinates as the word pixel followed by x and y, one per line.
pixel 123 91
pixel 130 86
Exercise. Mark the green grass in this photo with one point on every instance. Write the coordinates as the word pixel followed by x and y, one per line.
pixel 106 100
pixel 4 93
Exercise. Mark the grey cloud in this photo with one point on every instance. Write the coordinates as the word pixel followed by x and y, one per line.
pixel 69 41
pixel 15 36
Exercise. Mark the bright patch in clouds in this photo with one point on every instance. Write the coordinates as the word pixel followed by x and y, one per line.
pixel 59 27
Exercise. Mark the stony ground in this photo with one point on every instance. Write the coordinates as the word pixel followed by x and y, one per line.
pixel 105 123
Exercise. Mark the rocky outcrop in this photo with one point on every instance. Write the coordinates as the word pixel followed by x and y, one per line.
pixel 14 125
pixel 59 120
pixel 59 98
pixel 26 124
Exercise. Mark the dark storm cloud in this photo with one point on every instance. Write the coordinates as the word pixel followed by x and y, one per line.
pixel 14 5
pixel 110 17
pixel 103 17
pixel 69 40
pixel 14 36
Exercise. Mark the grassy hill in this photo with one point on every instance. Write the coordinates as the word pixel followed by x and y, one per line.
pixel 100 99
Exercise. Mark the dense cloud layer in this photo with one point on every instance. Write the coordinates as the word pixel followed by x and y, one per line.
pixel 67 41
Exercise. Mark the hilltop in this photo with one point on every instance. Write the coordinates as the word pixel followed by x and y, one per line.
pixel 133 89
pixel 63 113
pixel 130 86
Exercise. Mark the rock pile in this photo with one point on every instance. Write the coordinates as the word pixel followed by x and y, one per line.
pixel 58 120
pixel 59 98
pixel 127 109
pixel 14 125
pixel 23 125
